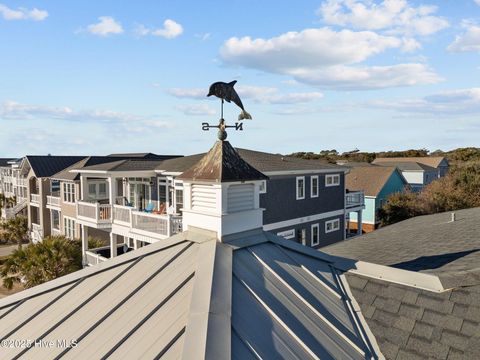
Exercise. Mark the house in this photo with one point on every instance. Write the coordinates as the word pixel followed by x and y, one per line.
pixel 223 288
pixel 409 321
pixel 377 182
pixel 37 170
pixel 418 171
pixel 141 201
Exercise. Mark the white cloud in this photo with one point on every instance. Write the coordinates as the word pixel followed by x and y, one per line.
pixel 196 109
pixel 395 16
pixel 170 30
pixel 259 94
pixel 324 57
pixel 369 77
pixel 446 103
pixel 106 26
pixel 22 13
pixel 12 110
pixel 307 48
pixel 468 41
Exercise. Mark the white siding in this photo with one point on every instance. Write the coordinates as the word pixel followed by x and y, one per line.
pixel 240 197
pixel 203 198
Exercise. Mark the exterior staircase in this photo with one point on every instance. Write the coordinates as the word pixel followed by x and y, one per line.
pixel 8 213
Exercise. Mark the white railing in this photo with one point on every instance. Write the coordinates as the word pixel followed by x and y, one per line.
pixel 91 258
pixel 53 200
pixel 354 198
pixel 99 213
pixel 166 225
pixel 56 232
pixel 37 233
pixel 35 198
pixel 122 215
pixel 22 182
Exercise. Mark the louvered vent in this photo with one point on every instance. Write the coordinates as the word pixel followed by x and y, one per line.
pixel 203 198
pixel 240 197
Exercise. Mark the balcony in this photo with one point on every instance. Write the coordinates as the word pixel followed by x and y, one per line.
pixel 98 255
pixel 35 199
pixel 37 233
pixel 53 201
pixel 19 181
pixel 148 224
pixel 354 199
pixel 96 215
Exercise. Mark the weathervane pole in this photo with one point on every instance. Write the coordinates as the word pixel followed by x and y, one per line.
pixel 221 117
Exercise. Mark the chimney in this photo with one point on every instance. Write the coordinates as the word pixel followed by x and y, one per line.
pixel 221 193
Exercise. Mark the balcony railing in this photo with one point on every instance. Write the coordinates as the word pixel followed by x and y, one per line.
pixel 92 258
pixel 37 233
pixel 165 225
pixel 56 232
pixel 35 198
pixel 100 214
pixel 354 199
pixel 53 200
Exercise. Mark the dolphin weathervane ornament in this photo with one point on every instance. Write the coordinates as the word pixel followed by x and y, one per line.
pixel 226 92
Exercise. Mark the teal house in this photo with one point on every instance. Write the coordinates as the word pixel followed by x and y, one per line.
pixel 378 182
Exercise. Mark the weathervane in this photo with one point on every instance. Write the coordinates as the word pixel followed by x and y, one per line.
pixel 226 92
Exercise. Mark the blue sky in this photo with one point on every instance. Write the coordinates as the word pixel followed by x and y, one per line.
pixel 84 77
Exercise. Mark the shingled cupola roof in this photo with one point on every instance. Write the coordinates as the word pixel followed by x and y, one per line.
pixel 222 164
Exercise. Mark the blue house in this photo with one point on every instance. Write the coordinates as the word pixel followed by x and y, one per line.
pixel 378 182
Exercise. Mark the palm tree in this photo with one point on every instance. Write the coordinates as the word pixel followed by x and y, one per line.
pixel 15 230
pixel 44 261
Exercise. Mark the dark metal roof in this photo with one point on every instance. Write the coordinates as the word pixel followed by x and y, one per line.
pixel 4 161
pixel 145 156
pixel 125 165
pixel 48 165
pixel 222 164
pixel 66 174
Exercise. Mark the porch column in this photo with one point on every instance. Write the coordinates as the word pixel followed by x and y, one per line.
pixel 83 187
pixel 135 244
pixel 84 243
pixel 113 245
pixel 359 222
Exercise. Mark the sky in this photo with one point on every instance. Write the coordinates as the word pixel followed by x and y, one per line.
pixel 99 77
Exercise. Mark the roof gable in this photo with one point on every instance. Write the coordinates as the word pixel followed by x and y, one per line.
pixel 370 179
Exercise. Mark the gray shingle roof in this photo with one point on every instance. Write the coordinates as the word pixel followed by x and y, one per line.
pixel 430 244
pixel 433 161
pixel 405 166
pixel 126 165
pixel 261 161
pixel 48 165
pixel 66 174
pixel 191 296
pixel 371 179
pixel 145 156
pixel 410 323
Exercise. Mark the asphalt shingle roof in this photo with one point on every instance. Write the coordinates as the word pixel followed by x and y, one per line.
pixel 406 165
pixel 433 161
pixel 66 174
pixel 126 165
pixel 370 179
pixel 145 156
pixel 48 165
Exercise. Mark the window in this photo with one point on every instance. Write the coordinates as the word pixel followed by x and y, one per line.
pixel 69 192
pixel 315 235
pixel 55 186
pixel 300 187
pixel 55 219
pixel 263 187
pixel 314 186
pixel 332 225
pixel 332 180
pixel 178 200
pixel 69 226
pixel 97 190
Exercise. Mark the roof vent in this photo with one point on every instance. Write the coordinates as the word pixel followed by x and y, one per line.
pixel 453 217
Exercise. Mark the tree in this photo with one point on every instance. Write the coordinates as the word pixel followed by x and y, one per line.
pixel 400 206
pixel 15 230
pixel 44 261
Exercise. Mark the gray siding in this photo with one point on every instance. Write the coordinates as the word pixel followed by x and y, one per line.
pixel 281 204
pixel 325 238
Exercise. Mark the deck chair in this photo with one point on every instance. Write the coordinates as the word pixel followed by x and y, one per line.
pixel 150 207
